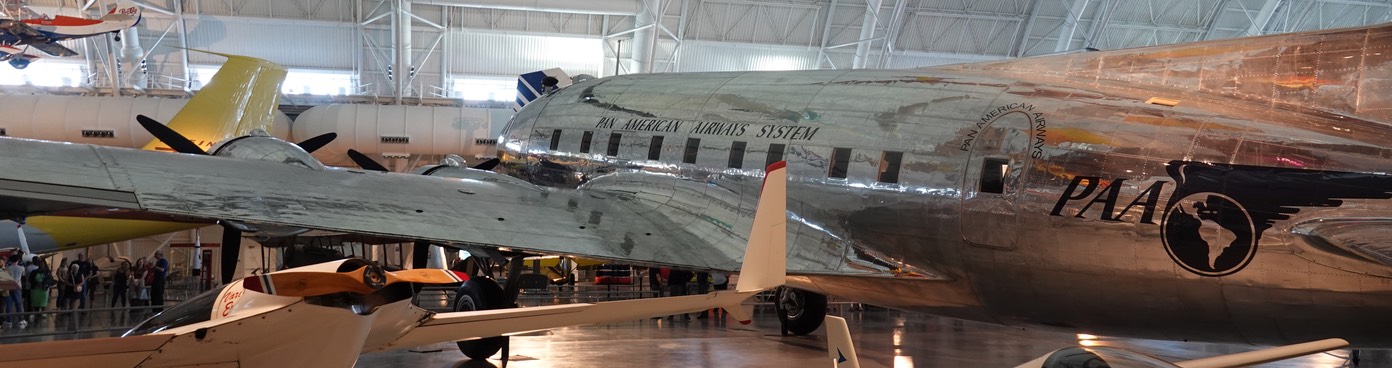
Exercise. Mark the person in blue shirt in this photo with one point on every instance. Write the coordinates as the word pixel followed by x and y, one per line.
pixel 161 270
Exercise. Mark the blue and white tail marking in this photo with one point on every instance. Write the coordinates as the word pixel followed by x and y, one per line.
pixel 529 85
pixel 839 346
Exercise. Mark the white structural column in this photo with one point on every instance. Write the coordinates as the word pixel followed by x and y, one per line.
pixel 645 36
pixel 867 33
pixel 1262 18
pixel 401 30
pixel 133 58
pixel 1070 25
pixel 896 25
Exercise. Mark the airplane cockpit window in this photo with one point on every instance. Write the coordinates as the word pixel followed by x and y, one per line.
pixel 585 141
pixel 555 139
pixel 655 148
pixel 736 155
pixel 840 162
pixel 993 172
pixel 693 146
pixel 198 309
pixel 775 154
pixel 889 166
pixel 614 140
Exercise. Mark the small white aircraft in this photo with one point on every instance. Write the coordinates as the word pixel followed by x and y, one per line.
pixel 22 28
pixel 327 314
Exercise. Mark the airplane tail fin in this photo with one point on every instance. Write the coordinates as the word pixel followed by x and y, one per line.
pixel 531 86
pixel 766 266
pixel 839 346
pixel 241 97
pixel 123 10
pixel 1344 72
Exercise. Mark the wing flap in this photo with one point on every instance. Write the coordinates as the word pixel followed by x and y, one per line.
pixel 100 352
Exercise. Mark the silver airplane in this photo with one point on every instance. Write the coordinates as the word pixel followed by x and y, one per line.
pixel 1230 190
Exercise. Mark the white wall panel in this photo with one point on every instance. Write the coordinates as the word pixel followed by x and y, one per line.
pixel 511 54
pixel 301 44
pixel 716 56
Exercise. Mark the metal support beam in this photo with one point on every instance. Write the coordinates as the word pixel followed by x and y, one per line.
pixel 645 39
pixel 896 25
pixel 1262 19
pixel 867 31
pixel 1070 25
pixel 826 36
pixel 401 32
pixel 1022 41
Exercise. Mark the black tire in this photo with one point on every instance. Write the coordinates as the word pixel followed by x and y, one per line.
pixel 805 310
pixel 480 294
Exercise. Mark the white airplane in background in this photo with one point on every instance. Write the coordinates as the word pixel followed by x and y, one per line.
pixel 327 314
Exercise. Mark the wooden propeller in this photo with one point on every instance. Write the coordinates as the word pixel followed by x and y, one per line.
pixel 365 280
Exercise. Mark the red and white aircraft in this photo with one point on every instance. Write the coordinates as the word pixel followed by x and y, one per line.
pixel 327 314
pixel 22 28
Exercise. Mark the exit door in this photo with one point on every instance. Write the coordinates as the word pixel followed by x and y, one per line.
pixel 998 160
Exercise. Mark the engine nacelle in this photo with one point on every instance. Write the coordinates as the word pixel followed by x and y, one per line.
pixel 260 145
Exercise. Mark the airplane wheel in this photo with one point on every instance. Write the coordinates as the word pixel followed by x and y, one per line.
pixel 805 309
pixel 480 294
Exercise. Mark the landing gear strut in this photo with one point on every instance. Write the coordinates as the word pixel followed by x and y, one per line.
pixel 800 312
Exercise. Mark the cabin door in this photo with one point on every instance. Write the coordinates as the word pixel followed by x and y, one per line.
pixel 993 183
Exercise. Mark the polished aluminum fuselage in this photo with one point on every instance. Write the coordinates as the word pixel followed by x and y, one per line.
pixel 935 241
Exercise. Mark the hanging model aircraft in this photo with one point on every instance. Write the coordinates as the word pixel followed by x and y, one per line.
pixel 22 28
pixel 1228 190
pixel 326 315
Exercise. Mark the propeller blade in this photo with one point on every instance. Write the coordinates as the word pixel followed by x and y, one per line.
pixel 426 276
pixel 176 141
pixel 231 250
pixel 487 165
pixel 312 144
pixel 365 162
pixel 365 280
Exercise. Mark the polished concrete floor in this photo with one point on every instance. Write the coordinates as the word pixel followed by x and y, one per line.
pixel 883 338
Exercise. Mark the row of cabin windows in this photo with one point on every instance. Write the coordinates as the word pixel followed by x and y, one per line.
pixel 840 157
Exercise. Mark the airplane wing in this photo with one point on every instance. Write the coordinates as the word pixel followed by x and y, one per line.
pixel 458 326
pixel 53 48
pixel 38 177
pixel 102 352
pixel 23 31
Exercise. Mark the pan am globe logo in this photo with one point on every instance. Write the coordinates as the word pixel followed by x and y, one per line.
pixel 1209 234
pixel 1213 220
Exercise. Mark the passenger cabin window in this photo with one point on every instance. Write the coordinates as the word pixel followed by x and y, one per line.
pixel 693 145
pixel 555 139
pixel 775 154
pixel 613 149
pixel 993 171
pixel 736 155
pixel 840 160
pixel 889 166
pixel 585 141
pixel 655 148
